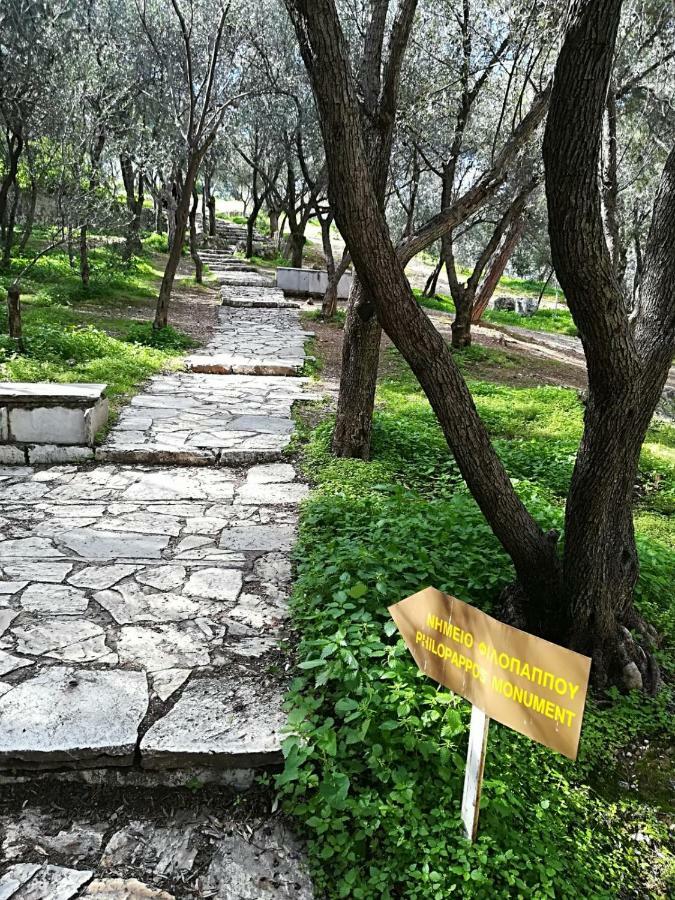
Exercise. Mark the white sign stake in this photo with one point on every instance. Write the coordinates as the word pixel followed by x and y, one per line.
pixel 473 778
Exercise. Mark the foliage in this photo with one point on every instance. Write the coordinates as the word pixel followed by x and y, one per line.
pixel 163 338
pixel 72 334
pixel 376 752
pixel 545 319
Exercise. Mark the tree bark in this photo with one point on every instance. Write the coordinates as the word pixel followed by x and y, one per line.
pixel 194 249
pixel 358 380
pixel 496 270
pixel 133 182
pixel 176 247
pixel 14 312
pixel 363 225
pixel 296 248
pixel 627 358
pixel 9 231
pixel 30 217
pixel 362 331
pixel 15 145
pixel 84 257
pixel 212 216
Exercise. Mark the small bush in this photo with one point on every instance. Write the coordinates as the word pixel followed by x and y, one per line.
pixel 164 338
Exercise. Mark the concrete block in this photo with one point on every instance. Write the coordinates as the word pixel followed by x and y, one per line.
pixel 310 281
pixel 47 425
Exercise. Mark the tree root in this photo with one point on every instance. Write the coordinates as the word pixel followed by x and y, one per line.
pixel 624 658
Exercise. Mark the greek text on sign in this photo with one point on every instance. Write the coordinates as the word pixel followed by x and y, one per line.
pixel 520 680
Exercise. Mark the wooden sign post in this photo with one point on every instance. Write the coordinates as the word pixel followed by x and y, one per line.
pixel 522 681
pixel 473 777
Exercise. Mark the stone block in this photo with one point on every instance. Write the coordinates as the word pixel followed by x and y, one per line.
pixel 61 414
pixel 12 456
pixel 98 717
pixel 47 425
pixel 51 454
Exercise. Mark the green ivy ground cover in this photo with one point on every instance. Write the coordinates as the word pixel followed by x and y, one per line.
pixel 376 752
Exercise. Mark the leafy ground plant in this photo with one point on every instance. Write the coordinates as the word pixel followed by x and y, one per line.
pixel 375 752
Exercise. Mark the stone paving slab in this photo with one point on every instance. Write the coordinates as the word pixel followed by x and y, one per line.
pixel 206 420
pixel 196 852
pixel 244 296
pixel 120 588
pixel 235 278
pixel 253 342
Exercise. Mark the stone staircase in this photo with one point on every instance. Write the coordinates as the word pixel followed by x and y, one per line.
pixel 143 611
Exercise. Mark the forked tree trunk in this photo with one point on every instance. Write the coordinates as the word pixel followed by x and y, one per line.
pixel 432 281
pixel 496 270
pixel 588 602
pixel 194 249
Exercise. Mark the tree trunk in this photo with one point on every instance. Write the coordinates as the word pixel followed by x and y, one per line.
pixel 432 280
pixel 30 217
pixel 212 216
pixel 496 270
pixel 172 200
pixel 358 380
pixel 71 246
pixel 159 215
pixel 296 246
pixel 627 358
pixel 330 298
pixel 15 148
pixel 361 220
pixel 84 257
pixel 9 231
pixel 176 248
pixel 14 312
pixel 461 325
pixel 274 221
pixel 194 250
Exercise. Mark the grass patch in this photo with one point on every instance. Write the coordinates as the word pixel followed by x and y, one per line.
pixel 375 757
pixel 558 321
pixel 71 333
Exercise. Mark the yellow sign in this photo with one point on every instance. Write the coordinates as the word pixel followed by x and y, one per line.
pixel 525 682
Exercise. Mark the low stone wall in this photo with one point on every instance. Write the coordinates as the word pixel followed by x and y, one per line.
pixel 312 282
pixel 49 423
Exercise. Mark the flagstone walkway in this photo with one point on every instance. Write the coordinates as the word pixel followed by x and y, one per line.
pixel 143 601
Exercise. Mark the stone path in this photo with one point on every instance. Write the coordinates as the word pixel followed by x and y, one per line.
pixel 251 342
pixel 143 602
pixel 204 419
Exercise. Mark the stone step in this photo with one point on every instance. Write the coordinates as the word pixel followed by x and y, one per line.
pixel 206 420
pixel 252 296
pixel 244 279
pixel 145 844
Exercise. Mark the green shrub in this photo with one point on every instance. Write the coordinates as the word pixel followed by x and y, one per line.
pixel 164 338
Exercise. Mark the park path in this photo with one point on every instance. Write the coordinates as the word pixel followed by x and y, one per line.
pixel 143 601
